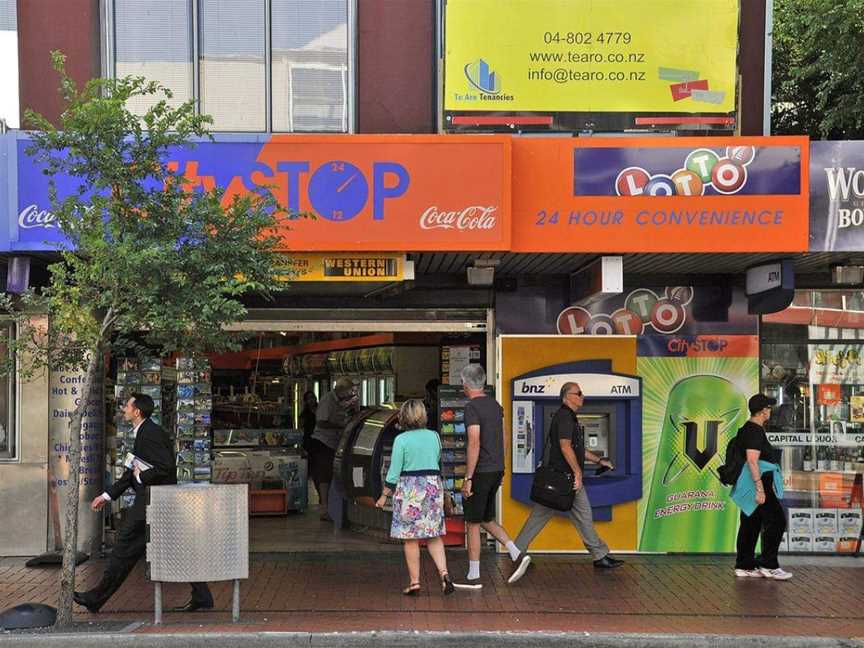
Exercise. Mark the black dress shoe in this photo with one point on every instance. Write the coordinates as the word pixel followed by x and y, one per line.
pixel 192 605
pixel 608 562
pixel 84 600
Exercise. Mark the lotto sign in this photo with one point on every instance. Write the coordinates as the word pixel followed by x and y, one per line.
pixel 703 170
pixel 643 311
pixel 660 195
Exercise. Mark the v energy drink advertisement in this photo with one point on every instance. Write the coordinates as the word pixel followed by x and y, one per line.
pixel 692 407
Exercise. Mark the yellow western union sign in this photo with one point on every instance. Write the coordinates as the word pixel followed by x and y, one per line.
pixel 343 267
pixel 663 56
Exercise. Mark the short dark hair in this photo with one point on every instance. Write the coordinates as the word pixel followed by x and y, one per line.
pixel 143 403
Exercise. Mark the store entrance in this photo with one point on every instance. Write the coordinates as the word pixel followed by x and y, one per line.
pixel 266 399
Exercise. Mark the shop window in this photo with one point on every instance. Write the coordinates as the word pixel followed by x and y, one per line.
pixel 9 98
pixel 8 436
pixel 310 65
pixel 232 63
pixel 309 77
pixel 813 363
pixel 154 40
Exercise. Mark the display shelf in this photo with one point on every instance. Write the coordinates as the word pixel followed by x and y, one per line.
pixel 134 375
pixel 193 421
pixel 454 440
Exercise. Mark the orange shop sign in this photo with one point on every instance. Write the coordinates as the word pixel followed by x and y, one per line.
pixel 681 194
pixel 384 193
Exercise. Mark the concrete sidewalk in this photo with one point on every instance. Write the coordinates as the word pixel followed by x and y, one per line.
pixel 327 592
pixel 430 639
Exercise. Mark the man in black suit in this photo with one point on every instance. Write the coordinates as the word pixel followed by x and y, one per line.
pixel 154 446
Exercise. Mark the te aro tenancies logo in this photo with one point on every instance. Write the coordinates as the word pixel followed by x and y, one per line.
pixel 486 81
pixel 482 77
pixel 703 170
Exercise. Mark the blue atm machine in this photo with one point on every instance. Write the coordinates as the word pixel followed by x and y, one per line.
pixel 611 417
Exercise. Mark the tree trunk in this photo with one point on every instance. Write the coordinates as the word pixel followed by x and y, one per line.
pixel 70 531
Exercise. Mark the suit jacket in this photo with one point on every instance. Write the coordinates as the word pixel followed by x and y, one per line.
pixel 153 445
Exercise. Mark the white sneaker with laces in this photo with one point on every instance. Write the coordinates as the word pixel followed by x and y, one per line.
pixel 776 574
pixel 748 573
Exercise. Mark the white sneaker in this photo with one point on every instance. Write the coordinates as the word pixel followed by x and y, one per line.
pixel 748 573
pixel 776 574
pixel 520 567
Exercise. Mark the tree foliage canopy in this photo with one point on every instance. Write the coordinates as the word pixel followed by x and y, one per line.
pixel 818 55
pixel 148 261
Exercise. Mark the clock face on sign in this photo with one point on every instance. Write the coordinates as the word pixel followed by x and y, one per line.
pixel 338 191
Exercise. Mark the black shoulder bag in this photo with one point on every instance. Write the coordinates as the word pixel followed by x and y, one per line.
pixel 552 487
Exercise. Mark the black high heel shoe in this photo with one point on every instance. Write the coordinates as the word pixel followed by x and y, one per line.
pixel 446 584
pixel 413 589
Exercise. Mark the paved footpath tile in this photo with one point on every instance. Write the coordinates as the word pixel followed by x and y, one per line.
pixel 343 592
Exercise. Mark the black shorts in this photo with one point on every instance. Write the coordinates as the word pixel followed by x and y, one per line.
pixel 480 507
pixel 320 462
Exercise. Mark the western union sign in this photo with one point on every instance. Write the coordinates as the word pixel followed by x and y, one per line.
pixel 345 267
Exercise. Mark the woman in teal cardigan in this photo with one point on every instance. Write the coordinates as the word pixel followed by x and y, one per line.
pixel 414 479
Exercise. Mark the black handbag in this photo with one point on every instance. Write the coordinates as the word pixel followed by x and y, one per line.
pixel 552 487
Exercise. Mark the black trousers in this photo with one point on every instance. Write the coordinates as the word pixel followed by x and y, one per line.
pixel 130 547
pixel 769 520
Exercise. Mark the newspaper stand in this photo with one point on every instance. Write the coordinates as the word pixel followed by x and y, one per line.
pixel 198 533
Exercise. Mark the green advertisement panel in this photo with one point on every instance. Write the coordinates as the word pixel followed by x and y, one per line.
pixel 692 407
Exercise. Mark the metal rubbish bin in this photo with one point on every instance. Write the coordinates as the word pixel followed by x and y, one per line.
pixel 198 532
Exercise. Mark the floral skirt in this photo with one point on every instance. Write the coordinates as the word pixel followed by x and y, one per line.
pixel 418 508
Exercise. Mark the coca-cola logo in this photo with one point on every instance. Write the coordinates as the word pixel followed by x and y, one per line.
pixel 31 217
pixel 475 217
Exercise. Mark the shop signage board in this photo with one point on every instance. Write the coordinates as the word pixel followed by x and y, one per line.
pixel 588 56
pixel 836 196
pixel 616 195
pixel 836 364
pixel 338 267
pixel 692 407
pixel 64 395
pixel 366 192
pixel 657 312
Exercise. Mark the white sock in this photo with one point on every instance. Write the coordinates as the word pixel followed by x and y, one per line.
pixel 513 550
pixel 473 569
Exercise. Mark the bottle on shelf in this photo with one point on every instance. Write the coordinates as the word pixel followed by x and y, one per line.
pixel 807 459
pixel 835 458
pixel 849 460
pixel 823 462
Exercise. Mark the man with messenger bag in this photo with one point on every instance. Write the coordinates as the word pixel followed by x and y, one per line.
pixel 562 466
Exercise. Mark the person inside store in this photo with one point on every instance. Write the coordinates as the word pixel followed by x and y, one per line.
pixel 567 454
pixel 335 409
pixel 430 401
pixel 414 480
pixel 484 470
pixel 153 446
pixel 307 419
pixel 760 479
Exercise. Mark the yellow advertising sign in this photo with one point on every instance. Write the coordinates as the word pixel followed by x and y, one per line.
pixel 343 267
pixel 664 56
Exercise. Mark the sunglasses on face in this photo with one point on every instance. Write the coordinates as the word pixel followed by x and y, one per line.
pixel 579 393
